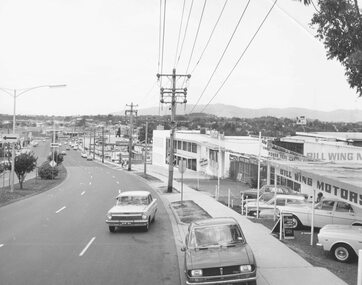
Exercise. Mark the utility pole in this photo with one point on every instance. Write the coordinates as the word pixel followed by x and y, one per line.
pixel 102 144
pixel 146 145
pixel 172 96
pixel 94 143
pixel 130 111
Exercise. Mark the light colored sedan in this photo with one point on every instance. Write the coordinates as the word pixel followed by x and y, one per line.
pixel 328 211
pixel 342 241
pixel 132 209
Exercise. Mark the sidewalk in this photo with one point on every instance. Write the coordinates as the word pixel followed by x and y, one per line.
pixel 277 264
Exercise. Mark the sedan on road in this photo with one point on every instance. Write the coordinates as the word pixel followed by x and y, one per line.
pixel 216 252
pixel 328 211
pixel 342 241
pixel 132 209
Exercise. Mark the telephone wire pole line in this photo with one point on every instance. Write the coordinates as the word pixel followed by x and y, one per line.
pixel 172 96
pixel 131 111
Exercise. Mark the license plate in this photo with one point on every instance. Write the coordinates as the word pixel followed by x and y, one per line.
pixel 126 223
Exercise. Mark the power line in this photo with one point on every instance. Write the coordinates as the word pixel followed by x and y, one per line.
pixel 237 62
pixel 179 31
pixel 212 32
pixel 159 38
pixel 222 56
pixel 187 25
pixel 197 33
pixel 163 35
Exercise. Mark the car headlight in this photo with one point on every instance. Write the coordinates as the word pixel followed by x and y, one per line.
pixel 109 216
pixel 246 268
pixel 196 272
pixel 144 217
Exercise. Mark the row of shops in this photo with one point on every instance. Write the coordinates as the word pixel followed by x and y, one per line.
pixel 319 162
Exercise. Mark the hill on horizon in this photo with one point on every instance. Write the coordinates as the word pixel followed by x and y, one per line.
pixel 229 111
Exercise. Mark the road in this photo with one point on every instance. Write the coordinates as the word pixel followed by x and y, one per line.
pixel 60 236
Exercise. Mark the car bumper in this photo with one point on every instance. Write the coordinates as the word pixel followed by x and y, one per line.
pixel 140 223
pixel 234 281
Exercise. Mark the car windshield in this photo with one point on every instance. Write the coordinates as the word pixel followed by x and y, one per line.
pixel 132 200
pixel 216 235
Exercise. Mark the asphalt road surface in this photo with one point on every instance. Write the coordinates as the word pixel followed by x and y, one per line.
pixel 60 236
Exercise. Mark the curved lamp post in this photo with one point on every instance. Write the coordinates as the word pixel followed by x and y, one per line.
pixel 16 93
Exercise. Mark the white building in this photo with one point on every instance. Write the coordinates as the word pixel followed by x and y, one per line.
pixel 208 153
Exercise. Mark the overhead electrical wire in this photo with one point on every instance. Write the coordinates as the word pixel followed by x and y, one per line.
pixel 159 38
pixel 196 35
pixel 237 62
pixel 209 39
pixel 179 31
pixel 163 36
pixel 187 25
pixel 222 56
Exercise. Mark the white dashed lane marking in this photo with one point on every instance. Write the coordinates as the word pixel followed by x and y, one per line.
pixel 87 246
pixel 1 245
pixel 61 209
pixel 117 182
pixel 82 193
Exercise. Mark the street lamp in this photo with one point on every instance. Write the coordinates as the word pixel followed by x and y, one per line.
pixel 16 93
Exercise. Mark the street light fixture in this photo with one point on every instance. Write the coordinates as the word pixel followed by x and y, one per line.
pixel 16 93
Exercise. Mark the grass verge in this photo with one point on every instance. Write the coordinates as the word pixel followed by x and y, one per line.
pixel 188 211
pixel 30 187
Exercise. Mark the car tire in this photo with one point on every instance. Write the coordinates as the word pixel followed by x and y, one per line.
pixel 342 252
pixel 296 223
pixel 147 226
pixel 112 229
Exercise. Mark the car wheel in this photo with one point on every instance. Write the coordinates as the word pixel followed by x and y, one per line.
pixel 296 223
pixel 112 229
pixel 342 252
pixel 147 226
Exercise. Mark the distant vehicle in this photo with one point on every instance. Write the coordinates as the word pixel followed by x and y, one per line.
pixel 281 201
pixel 75 147
pixel 216 252
pixel 67 148
pixel 63 152
pixel 132 209
pixel 83 154
pixel 268 192
pixel 342 241
pixel 89 157
pixel 328 211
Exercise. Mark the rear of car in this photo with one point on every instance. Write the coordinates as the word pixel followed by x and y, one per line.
pixel 216 252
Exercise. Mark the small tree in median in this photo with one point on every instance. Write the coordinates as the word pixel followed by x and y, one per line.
pixel 47 172
pixel 24 163
pixel 58 157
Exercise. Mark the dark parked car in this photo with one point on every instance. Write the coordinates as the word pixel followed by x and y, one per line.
pixel 216 252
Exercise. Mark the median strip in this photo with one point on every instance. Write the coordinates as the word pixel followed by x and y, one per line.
pixel 61 209
pixel 87 246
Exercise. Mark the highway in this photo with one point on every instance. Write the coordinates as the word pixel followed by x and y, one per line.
pixel 60 236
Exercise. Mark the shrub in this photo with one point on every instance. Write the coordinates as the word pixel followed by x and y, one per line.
pixel 47 172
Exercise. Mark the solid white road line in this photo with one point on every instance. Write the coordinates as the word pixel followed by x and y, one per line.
pixel 90 183
pixel 82 193
pixel 61 209
pixel 1 245
pixel 88 245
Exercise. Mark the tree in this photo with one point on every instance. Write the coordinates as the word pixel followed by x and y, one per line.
pixel 24 163
pixel 339 26
pixel 48 172
pixel 58 157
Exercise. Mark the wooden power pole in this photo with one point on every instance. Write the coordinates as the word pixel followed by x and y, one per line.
pixel 172 96
pixel 131 111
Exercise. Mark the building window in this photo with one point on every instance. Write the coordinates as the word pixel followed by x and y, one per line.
pixel 213 155
pixel 179 144
pixel 184 146
pixel 189 147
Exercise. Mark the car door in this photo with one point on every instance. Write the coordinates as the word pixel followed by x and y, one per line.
pixel 344 214
pixel 323 214
pixel 152 206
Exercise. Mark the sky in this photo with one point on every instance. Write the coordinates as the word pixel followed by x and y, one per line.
pixel 107 52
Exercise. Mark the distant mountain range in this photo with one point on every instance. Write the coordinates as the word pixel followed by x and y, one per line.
pixel 229 111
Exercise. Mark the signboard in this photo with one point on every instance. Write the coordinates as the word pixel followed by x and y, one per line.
pixel 10 138
pixel 287 226
pixel 288 230
pixel 54 145
pixel 52 163
pixel 182 166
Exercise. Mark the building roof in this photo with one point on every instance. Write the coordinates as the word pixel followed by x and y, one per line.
pixel 349 173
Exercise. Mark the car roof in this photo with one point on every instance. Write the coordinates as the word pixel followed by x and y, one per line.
pixel 134 193
pixel 214 221
pixel 290 196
